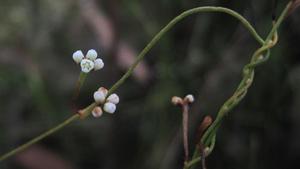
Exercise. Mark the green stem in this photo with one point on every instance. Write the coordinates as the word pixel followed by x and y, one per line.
pixel 79 84
pixel 38 138
pixel 156 38
pixel 183 15
pixel 243 86
pixel 278 22
pixel 241 91
pixel 193 162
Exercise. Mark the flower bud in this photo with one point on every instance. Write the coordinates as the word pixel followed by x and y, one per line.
pixel 206 151
pixel 91 54
pixel 103 90
pixel 176 100
pixel 189 98
pixel 98 64
pixel 113 98
pixel 97 112
pixel 99 97
pixel 86 65
pixel 78 56
pixel 261 57
pixel 109 107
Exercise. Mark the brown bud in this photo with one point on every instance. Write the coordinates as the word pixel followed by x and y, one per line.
pixel 206 122
pixel 103 90
pixel 97 112
pixel 177 100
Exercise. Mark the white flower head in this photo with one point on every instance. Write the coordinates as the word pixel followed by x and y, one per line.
pixel 99 96
pixel 97 112
pixel 98 64
pixel 113 98
pixel 88 62
pixel 91 54
pixel 78 56
pixel 86 65
pixel 189 98
pixel 109 107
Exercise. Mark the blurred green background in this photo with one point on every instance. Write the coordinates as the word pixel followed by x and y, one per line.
pixel 203 55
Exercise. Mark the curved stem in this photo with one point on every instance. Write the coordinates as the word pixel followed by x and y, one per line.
pixel 86 111
pixel 246 81
pixel 183 15
pixel 241 91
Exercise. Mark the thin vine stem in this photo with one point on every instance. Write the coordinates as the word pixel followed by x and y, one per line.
pixel 86 111
pixel 79 84
pixel 260 55
pixel 180 17
pixel 185 129
pixel 248 76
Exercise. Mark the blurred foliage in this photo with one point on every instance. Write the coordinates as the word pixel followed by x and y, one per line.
pixel 203 55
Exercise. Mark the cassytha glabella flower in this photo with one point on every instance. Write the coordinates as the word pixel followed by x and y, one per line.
pixel 100 95
pixel 109 103
pixel 91 54
pixel 89 61
pixel 98 64
pixel 109 107
pixel 78 56
pixel 86 65
pixel 178 101
pixel 97 112
pixel 189 98
pixel 113 98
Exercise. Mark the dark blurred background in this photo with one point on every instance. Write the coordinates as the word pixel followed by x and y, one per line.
pixel 203 55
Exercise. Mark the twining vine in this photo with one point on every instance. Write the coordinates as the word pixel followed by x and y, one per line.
pixel 208 140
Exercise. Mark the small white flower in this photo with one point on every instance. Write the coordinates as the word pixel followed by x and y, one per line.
pixel 78 56
pixel 189 98
pixel 91 54
pixel 109 107
pixel 113 98
pixel 86 65
pixel 97 112
pixel 99 96
pixel 98 64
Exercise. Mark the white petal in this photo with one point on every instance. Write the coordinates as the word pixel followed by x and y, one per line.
pixel 98 64
pixel 97 112
pixel 99 97
pixel 78 56
pixel 113 98
pixel 109 107
pixel 86 65
pixel 91 54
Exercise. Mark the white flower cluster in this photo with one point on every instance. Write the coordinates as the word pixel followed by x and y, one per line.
pixel 109 103
pixel 88 62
